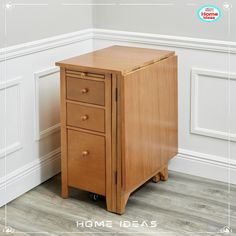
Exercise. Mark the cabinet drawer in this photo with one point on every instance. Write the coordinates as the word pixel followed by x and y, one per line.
pixel 84 90
pixel 86 117
pixel 86 161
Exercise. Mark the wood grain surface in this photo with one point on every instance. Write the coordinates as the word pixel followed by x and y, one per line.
pixel 116 59
pixel 83 90
pixel 150 121
pixel 85 117
pixel 86 161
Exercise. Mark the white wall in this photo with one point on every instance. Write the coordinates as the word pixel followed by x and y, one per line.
pixel 31 20
pixel 177 18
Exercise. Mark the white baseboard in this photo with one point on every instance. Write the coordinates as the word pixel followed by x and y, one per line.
pixel 204 165
pixel 29 176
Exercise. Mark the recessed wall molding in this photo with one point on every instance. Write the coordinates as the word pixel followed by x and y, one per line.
pixel 195 127
pixel 40 134
pixel 17 145
pixel 47 132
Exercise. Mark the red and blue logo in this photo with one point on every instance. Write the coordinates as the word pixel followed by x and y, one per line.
pixel 209 13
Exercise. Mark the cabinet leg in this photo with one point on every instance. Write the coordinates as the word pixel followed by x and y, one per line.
pixel 162 175
pixel 156 178
pixel 64 191
pixel 121 204
pixel 111 205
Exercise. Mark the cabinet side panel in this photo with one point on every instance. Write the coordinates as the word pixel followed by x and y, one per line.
pixel 150 121
pixel 168 100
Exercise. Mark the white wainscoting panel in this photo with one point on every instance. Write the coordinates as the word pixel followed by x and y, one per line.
pixel 29 176
pixel 47 102
pixel 10 116
pixel 213 110
pixel 39 159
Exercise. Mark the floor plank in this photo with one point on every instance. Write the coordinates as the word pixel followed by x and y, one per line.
pixel 183 205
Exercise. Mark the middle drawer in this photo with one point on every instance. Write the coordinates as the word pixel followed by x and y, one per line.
pixel 86 117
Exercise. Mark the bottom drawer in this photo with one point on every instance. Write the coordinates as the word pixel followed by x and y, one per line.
pixel 86 161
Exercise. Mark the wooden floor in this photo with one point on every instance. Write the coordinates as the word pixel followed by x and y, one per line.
pixel 184 205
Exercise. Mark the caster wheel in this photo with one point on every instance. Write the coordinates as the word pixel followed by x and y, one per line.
pixel 94 197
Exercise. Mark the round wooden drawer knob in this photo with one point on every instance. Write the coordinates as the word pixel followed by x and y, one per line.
pixel 85 153
pixel 82 75
pixel 84 91
pixel 85 117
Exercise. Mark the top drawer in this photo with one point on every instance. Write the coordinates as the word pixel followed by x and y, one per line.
pixel 84 90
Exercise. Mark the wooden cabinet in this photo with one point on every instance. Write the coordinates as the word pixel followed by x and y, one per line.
pixel 119 121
